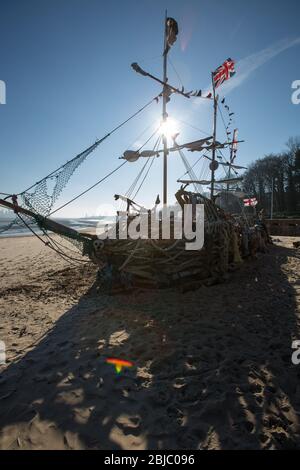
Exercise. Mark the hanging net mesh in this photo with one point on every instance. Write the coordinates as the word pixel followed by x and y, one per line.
pixel 41 197
pixel 45 193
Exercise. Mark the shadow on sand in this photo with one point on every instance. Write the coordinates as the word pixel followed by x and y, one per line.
pixel 212 370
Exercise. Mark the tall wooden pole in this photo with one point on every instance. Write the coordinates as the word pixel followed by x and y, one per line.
pixel 164 118
pixel 272 199
pixel 231 156
pixel 229 169
pixel 213 162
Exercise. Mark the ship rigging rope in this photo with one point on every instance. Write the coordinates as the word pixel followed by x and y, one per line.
pixel 64 246
pixel 143 180
pixel 137 139
pixel 88 189
pixel 173 67
pixel 193 127
pixel 192 175
pixel 101 180
pixel 149 168
pixel 42 195
pixel 130 190
pixel 136 180
pixel 224 160
pixel 193 166
pixel 59 251
pixel 145 176
pixel 92 147
pixel 48 243
pixel 220 111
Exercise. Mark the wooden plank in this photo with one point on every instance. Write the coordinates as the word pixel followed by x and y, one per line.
pixel 54 226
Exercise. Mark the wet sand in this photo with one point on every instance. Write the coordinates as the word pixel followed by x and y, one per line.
pixel 212 367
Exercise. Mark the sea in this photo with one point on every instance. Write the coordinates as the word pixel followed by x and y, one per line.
pixel 19 230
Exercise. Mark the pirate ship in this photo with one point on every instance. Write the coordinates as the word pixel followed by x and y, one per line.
pixel 152 261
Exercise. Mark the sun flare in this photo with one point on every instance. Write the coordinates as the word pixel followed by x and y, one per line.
pixel 169 128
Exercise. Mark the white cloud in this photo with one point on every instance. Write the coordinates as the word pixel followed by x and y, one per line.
pixel 245 67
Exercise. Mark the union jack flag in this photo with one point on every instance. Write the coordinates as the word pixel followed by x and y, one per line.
pixel 224 72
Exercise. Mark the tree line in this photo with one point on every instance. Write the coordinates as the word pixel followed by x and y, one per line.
pixel 278 174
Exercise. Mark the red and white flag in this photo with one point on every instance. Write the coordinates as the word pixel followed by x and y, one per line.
pixel 224 72
pixel 251 202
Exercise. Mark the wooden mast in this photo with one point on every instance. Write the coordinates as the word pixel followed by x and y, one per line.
pixel 231 156
pixel 51 224
pixel 213 162
pixel 230 163
pixel 164 118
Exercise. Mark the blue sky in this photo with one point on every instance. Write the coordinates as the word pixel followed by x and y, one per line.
pixel 66 65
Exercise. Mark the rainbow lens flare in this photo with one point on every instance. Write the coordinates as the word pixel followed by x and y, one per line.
pixel 118 363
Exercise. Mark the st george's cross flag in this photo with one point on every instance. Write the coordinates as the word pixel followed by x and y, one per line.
pixel 251 202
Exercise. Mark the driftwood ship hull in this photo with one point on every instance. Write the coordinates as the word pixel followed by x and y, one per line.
pixel 163 263
pixel 155 262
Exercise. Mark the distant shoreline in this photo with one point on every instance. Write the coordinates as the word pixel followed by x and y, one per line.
pixel 79 224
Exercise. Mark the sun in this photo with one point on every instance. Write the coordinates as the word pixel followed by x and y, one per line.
pixel 169 128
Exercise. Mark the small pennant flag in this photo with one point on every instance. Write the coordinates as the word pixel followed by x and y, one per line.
pixel 224 72
pixel 235 136
pixel 251 202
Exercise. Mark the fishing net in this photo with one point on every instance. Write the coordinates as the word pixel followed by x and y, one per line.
pixel 45 193
pixel 68 243
pixel 41 197
pixel 65 244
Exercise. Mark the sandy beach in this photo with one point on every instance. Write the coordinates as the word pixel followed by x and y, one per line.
pixel 212 367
